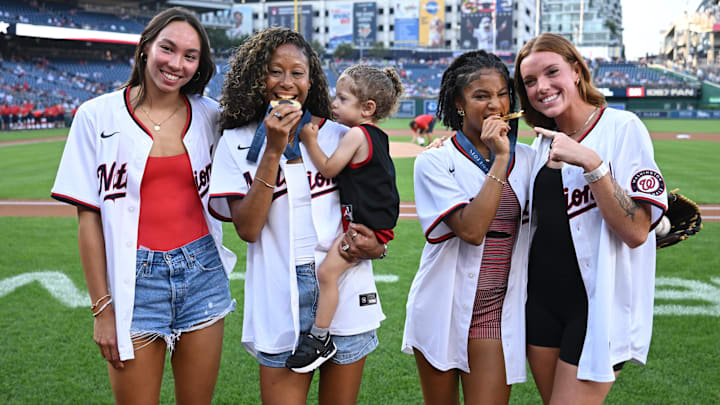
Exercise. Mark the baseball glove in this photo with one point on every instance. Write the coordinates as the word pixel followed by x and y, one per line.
pixel 685 220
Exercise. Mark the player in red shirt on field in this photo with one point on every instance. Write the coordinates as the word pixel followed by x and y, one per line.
pixel 423 125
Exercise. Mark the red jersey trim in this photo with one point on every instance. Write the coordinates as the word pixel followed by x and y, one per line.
pixel 370 150
pixel 602 110
pixel 74 201
pixel 216 214
pixel 437 222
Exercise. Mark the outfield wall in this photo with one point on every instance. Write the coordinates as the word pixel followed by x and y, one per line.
pixel 671 108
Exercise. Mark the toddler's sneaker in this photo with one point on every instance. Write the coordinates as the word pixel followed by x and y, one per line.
pixel 311 353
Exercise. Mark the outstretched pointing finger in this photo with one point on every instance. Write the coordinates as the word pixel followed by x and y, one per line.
pixel 546 132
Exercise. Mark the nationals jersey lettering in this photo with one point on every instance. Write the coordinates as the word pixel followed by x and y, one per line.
pixel 202 180
pixel 319 180
pixel 579 200
pixel 116 180
pixel 315 182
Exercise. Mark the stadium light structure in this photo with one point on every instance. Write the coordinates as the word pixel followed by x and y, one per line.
pixel 295 13
pixel 74 34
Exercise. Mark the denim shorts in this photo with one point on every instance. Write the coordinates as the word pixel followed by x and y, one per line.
pixel 349 348
pixel 177 291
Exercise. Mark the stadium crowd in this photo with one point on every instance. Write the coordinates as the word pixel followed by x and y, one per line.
pixel 42 83
pixel 60 15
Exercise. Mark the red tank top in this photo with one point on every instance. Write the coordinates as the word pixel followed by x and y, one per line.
pixel 171 212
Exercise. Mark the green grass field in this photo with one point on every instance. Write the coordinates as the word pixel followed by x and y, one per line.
pixel 653 125
pixel 47 354
pixel 32 134
pixel 29 169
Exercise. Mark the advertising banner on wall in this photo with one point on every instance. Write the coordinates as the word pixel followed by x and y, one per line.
pixel 503 25
pixel 406 109
pixel 407 15
pixel 649 92
pixel 476 25
pixel 285 17
pixel 364 24
pixel 340 25
pixel 241 19
pixel 432 23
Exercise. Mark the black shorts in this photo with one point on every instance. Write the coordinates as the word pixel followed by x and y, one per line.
pixel 559 326
pixel 553 324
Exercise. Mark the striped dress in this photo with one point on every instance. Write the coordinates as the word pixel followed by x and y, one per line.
pixel 495 268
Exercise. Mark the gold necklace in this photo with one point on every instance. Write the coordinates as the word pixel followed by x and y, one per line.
pixel 157 125
pixel 587 121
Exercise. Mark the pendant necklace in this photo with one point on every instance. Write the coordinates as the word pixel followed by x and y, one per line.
pixel 157 125
pixel 587 121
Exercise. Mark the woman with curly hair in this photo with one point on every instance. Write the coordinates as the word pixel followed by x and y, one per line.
pixel 464 319
pixel 289 213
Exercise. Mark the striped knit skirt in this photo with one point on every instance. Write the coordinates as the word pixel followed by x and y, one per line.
pixel 494 268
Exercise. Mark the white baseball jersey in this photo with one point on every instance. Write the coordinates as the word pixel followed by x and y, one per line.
pixel 271 322
pixel 619 281
pixel 102 168
pixel 440 303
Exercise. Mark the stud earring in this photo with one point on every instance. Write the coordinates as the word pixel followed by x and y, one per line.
pixel 143 57
pixel 461 113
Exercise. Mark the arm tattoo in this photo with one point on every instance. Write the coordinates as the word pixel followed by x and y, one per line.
pixel 626 203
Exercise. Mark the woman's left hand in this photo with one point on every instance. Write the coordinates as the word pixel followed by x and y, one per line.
pixel 361 242
pixel 567 150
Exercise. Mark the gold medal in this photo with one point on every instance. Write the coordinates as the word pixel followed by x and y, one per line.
pixel 512 116
pixel 275 103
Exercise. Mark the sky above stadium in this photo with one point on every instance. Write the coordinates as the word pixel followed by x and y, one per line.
pixel 645 22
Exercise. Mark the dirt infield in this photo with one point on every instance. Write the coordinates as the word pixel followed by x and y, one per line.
pixel 10 208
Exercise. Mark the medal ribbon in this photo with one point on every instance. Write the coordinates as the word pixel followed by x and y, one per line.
pixel 291 151
pixel 477 158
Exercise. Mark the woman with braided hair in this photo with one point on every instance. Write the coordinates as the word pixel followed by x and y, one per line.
pixel 465 311
pixel 264 181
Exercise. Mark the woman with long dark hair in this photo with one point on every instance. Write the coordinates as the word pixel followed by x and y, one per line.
pixel 137 166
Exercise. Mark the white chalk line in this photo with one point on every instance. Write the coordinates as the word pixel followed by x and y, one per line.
pixel 62 288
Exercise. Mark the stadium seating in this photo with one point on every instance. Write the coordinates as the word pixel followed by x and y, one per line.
pixel 629 74
pixel 62 15
pixel 70 82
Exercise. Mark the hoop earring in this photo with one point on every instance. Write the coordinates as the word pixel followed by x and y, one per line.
pixel 461 113
pixel 197 76
pixel 143 57
pixel 577 83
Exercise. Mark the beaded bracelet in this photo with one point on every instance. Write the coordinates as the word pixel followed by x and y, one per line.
pixel 496 179
pixel 264 182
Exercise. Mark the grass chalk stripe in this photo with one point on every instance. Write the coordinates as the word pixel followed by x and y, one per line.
pixel 60 287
